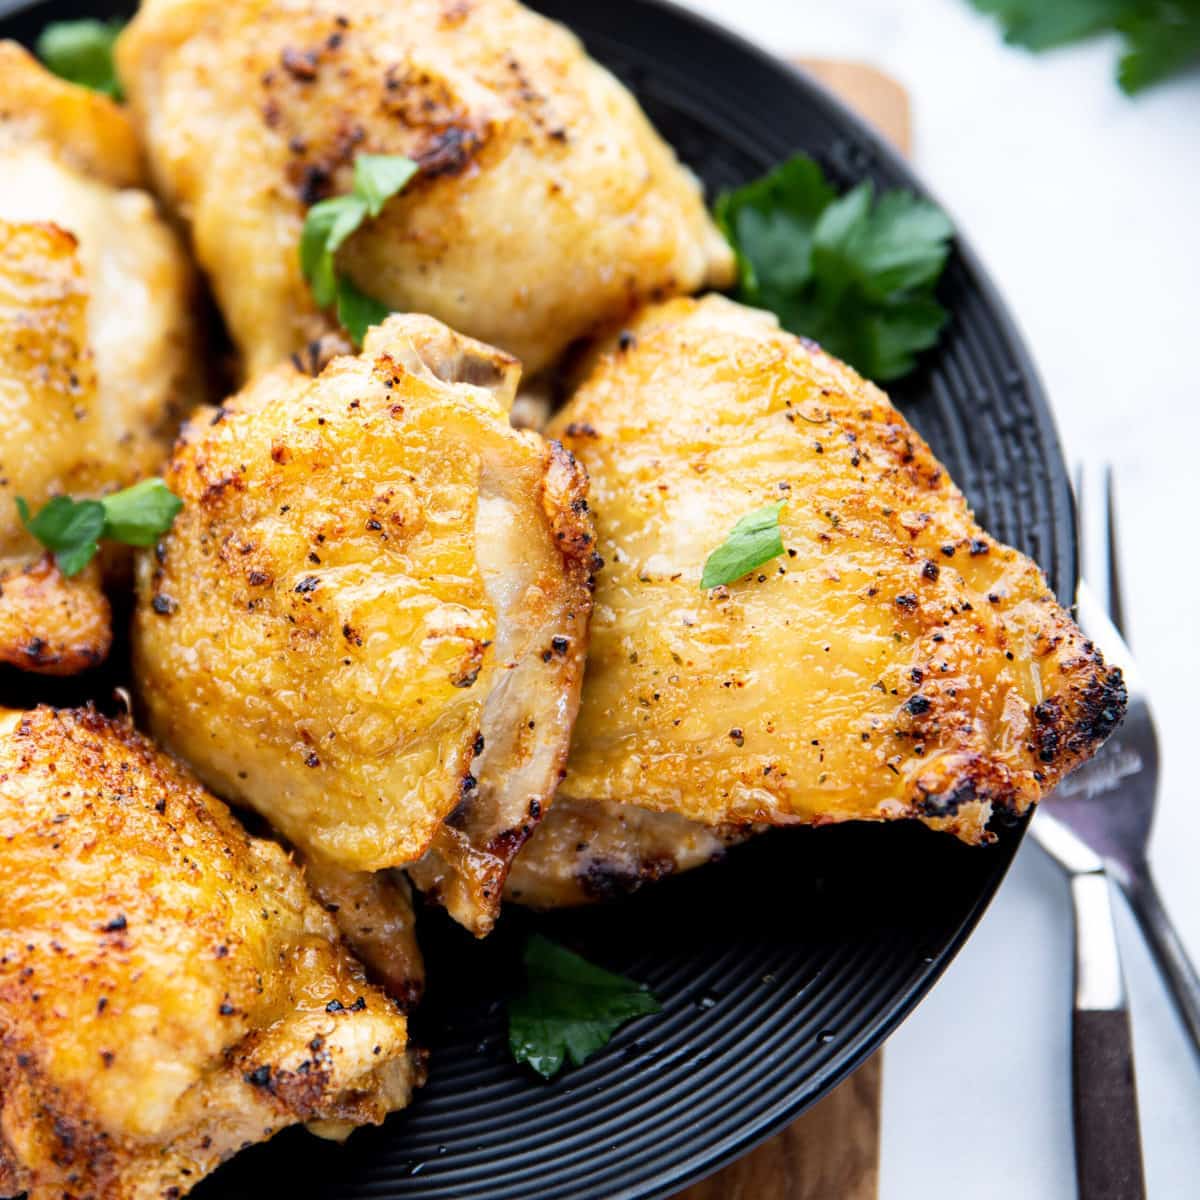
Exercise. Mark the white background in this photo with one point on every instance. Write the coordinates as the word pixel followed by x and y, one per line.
pixel 1085 207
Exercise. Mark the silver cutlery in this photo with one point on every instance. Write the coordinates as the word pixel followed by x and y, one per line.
pixel 1084 826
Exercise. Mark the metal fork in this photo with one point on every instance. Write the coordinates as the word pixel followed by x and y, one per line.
pixel 1097 824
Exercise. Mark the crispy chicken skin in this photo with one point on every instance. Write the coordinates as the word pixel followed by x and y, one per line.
pixel 370 618
pixel 374 911
pixel 546 204
pixel 96 348
pixel 169 990
pixel 894 662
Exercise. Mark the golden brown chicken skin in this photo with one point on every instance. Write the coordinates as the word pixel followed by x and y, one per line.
pixel 546 203
pixel 369 620
pixel 169 990
pixel 97 352
pixel 894 662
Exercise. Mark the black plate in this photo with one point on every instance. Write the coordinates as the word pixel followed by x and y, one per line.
pixel 781 969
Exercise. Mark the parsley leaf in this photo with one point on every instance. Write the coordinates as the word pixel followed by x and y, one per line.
pixel 72 529
pixel 141 514
pixel 357 311
pixel 327 225
pixel 854 273
pixel 569 1009
pixel 754 540
pixel 377 178
pixel 1161 36
pixel 82 52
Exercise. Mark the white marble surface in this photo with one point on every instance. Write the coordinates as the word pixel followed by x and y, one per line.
pixel 1085 206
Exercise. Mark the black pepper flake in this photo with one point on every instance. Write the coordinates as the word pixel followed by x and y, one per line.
pixel 101 1004
pixel 309 583
pixel 737 737
pixel 469 784
pixel 226 1009
pixel 358 1005
pixel 373 525
pixel 258 578
pixel 948 550
pixel 978 547
pixel 916 705
pixel 478 748
pixel 163 605
pixel 626 340
pixel 259 1077
pixel 311 759
pixel 559 645
pixel 930 570
pixel 335 1006
pixel 117 924
pixel 907 601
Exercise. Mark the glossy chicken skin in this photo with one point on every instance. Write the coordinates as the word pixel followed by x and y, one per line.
pixel 169 990
pixel 894 662
pixel 97 352
pixel 369 620
pixel 546 202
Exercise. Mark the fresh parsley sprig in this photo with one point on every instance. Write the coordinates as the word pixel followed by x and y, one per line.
pixel 82 52
pixel 570 1008
pixel 853 272
pixel 754 540
pixel 377 178
pixel 1162 37
pixel 73 529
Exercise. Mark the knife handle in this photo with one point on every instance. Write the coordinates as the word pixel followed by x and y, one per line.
pixel 1108 1143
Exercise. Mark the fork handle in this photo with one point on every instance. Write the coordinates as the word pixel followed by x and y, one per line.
pixel 1168 950
pixel 1108 1145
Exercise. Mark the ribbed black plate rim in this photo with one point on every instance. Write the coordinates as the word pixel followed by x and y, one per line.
pixel 728 1063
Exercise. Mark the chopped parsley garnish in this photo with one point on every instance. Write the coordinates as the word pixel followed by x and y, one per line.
pixel 82 52
pixel 1162 37
pixel 73 529
pixel 377 178
pixel 754 540
pixel 853 272
pixel 570 1008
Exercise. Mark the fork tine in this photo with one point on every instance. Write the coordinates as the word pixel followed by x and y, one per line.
pixel 1116 599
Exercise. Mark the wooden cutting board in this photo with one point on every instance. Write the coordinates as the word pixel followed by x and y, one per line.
pixel 832 1151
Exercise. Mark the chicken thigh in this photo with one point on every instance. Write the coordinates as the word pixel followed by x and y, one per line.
pixel 894 661
pixel 97 354
pixel 169 990
pixel 369 620
pixel 545 204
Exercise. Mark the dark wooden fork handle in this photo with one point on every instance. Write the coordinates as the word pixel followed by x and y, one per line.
pixel 1108 1147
